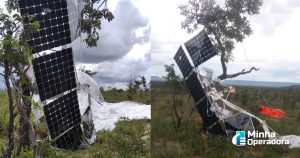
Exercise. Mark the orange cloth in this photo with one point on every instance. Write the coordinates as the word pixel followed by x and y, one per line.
pixel 271 113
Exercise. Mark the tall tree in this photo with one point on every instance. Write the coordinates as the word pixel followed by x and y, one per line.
pixel 227 24
pixel 15 57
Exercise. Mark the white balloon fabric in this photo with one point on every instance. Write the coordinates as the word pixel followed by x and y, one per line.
pixel 106 116
pixel 87 83
pixel 75 8
pixel 293 139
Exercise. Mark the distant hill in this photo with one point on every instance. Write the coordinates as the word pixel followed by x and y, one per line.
pixel 260 83
pixel 156 78
pixel 295 86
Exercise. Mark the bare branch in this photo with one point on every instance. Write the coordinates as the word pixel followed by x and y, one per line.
pixel 224 76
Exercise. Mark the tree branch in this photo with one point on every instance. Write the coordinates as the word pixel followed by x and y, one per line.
pixel 222 77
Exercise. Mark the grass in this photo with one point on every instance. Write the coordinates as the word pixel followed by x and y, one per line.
pixel 192 141
pixel 126 140
pixel 130 138
pixel 117 95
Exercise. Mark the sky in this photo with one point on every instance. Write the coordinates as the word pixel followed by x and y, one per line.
pixel 273 47
pixel 145 35
pixel 123 51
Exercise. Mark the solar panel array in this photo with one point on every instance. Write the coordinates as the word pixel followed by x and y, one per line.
pixel 200 48
pixel 195 87
pixel 52 16
pixel 54 73
pixel 54 70
pixel 63 115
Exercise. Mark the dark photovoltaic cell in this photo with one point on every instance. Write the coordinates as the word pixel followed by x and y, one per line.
pixel 210 120
pixel 183 62
pixel 54 73
pixel 63 115
pixel 195 87
pixel 52 16
pixel 200 48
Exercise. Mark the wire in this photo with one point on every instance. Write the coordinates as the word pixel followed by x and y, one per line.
pixel 259 90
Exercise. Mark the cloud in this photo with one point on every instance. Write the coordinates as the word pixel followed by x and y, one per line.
pixel 273 14
pixel 123 50
pixel 118 72
pixel 117 37
pixel 272 47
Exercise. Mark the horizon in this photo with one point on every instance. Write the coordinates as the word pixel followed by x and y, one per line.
pixel 272 47
pixel 230 79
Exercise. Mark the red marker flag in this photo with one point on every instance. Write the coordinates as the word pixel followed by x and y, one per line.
pixel 271 113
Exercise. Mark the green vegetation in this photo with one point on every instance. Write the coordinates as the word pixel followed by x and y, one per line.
pixel 138 91
pixel 192 141
pixel 115 95
pixel 129 138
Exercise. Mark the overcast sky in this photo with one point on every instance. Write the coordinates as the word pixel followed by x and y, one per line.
pixel 123 51
pixel 273 47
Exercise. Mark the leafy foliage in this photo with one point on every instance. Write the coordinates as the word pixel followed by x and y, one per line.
pixel 93 14
pixel 228 24
pixel 115 95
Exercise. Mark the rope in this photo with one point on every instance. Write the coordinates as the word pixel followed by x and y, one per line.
pixel 257 88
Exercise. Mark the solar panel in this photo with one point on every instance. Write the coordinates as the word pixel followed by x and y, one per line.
pixel 210 120
pixel 52 16
pixel 200 48
pixel 183 62
pixel 195 87
pixel 54 73
pixel 63 115
pixel 203 105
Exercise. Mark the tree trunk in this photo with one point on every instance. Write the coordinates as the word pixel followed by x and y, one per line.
pixel 224 75
pixel 24 127
pixel 21 105
pixel 10 147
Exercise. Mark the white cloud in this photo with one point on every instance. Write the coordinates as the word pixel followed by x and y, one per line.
pixel 273 47
pixel 123 50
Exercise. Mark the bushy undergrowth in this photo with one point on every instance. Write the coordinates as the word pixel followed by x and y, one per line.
pixel 128 139
pixel 192 141
pixel 117 95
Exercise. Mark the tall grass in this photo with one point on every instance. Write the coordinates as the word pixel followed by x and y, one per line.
pixel 194 142
pixel 128 139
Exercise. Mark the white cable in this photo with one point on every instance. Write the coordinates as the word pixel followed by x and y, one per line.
pixel 249 65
